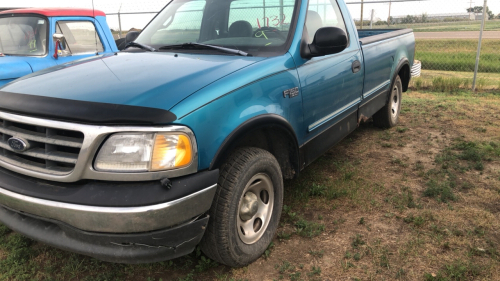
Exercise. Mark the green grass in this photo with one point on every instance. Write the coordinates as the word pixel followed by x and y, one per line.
pixel 458 54
pixel 450 26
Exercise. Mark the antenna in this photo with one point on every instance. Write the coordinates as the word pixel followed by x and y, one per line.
pixel 95 26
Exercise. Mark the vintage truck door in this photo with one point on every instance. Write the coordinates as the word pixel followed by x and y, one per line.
pixel 331 85
pixel 80 35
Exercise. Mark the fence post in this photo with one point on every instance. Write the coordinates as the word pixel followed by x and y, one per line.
pixel 119 22
pixel 479 46
pixel 361 15
pixel 371 20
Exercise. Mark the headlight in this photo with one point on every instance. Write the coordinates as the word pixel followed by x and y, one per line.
pixel 144 152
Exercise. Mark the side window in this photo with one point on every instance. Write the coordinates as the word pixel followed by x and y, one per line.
pixel 183 26
pixel 323 13
pixel 80 36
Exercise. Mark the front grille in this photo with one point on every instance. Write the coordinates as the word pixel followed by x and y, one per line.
pixel 52 151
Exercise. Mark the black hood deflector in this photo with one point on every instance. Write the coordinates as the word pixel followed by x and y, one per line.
pixel 94 113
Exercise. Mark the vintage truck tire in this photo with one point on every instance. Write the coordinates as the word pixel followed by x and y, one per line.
pixel 388 116
pixel 247 207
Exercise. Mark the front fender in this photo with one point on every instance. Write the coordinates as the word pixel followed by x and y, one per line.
pixel 213 121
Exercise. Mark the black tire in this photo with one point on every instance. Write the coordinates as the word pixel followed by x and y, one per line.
pixel 222 241
pixel 388 116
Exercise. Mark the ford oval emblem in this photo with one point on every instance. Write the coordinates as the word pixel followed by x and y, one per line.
pixel 18 144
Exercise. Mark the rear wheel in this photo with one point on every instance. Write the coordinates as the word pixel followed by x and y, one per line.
pixel 388 116
pixel 245 213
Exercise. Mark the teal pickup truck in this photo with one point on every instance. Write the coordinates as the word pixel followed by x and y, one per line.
pixel 35 39
pixel 186 136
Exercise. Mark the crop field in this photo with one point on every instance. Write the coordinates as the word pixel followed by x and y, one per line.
pixel 420 201
pixel 458 54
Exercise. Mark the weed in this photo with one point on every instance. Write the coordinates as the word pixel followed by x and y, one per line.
pixel 401 129
pixel 361 220
pixel 318 254
pixel 357 256
pixel 295 276
pixel 285 266
pixel 267 252
pixel 417 221
pixel 357 241
pixel 480 84
pixel 284 235
pixel 315 271
pixel 399 162
pixel 188 277
pixel 480 129
pixel 449 85
pixel 441 191
pixel 317 190
pixel 308 228
pixel 347 255
pixel 400 274
pixel 418 83
pixel 384 259
pixel 386 145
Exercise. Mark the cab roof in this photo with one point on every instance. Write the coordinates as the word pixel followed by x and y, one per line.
pixel 57 12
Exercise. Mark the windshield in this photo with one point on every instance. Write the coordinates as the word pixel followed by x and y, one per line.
pixel 253 26
pixel 23 35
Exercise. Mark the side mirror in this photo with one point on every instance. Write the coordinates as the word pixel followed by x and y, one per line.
pixel 327 41
pixel 60 49
pixel 131 36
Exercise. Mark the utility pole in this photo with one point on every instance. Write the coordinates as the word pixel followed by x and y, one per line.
pixel 479 46
pixel 361 14
pixel 389 18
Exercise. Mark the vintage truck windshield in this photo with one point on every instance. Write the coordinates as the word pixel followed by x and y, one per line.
pixel 23 35
pixel 252 26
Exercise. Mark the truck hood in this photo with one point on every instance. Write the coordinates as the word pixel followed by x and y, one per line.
pixel 13 67
pixel 156 80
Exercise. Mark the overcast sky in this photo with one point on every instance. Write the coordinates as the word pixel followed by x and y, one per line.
pixel 139 21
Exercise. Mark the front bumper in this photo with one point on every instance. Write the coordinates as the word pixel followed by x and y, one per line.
pixel 145 222
pixel 121 248
pixel 111 207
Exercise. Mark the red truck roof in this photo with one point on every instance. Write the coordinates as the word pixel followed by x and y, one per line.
pixel 57 12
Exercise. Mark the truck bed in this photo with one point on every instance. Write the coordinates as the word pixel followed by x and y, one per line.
pixel 368 36
pixel 383 51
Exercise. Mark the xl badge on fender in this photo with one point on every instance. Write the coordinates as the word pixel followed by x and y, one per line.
pixel 291 93
pixel 18 144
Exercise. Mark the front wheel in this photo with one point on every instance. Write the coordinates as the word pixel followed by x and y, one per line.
pixel 245 213
pixel 388 116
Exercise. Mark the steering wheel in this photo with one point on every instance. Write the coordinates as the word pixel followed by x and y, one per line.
pixel 261 32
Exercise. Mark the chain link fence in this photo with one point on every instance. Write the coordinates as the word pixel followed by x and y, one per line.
pixel 447 36
pixel 446 31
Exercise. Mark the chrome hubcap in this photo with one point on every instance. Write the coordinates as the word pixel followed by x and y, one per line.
pixel 249 206
pixel 395 103
pixel 255 208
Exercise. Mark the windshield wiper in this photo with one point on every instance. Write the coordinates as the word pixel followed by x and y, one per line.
pixel 191 44
pixel 139 45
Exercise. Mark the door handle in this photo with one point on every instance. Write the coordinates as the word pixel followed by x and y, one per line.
pixel 356 66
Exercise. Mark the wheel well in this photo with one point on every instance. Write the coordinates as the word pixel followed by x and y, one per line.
pixel 273 138
pixel 405 75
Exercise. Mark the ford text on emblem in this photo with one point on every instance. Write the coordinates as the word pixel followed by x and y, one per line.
pixel 18 144
pixel 291 93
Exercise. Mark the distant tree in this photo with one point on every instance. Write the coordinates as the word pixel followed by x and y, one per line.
pixel 425 17
pixel 498 16
pixel 490 13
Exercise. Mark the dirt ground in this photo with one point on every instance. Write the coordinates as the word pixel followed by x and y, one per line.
pixel 420 201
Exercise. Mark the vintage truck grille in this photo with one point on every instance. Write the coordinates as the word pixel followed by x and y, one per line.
pixel 51 151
